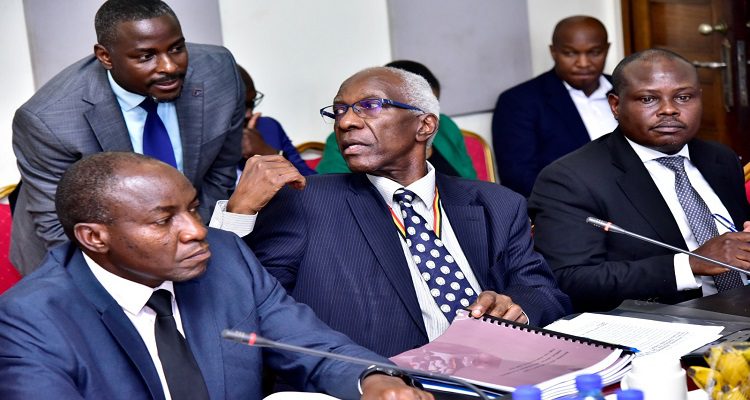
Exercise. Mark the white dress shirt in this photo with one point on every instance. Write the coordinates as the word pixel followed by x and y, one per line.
pixel 664 179
pixel 594 110
pixel 132 297
pixel 434 319
pixel 135 119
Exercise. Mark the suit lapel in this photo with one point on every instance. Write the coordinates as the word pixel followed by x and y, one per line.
pixel 716 174
pixel 558 98
pixel 202 332
pixel 373 217
pixel 190 116
pixel 638 188
pixel 468 223
pixel 105 116
pixel 115 320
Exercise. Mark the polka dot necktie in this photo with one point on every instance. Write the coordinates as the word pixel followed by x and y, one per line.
pixel 448 285
pixel 698 215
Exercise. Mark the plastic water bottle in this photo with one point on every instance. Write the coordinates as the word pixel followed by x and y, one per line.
pixel 589 387
pixel 630 394
pixel 527 392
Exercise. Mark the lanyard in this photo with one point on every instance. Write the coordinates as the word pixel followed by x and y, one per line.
pixel 437 215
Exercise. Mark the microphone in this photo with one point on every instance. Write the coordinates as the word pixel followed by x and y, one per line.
pixel 610 227
pixel 252 339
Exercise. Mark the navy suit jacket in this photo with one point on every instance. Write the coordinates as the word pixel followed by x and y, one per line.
pixel 76 114
pixel 62 336
pixel 606 179
pixel 334 246
pixel 534 124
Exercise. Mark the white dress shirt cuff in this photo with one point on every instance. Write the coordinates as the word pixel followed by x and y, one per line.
pixel 683 274
pixel 240 224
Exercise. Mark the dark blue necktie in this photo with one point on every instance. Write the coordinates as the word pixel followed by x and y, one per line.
pixel 155 137
pixel 448 285
pixel 183 376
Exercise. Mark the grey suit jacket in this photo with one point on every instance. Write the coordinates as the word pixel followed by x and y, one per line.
pixel 76 114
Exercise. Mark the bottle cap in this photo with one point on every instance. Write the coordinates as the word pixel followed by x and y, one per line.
pixel 588 382
pixel 630 394
pixel 527 392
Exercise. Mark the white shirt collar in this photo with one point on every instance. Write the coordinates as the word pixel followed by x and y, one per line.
pixel 600 93
pixel 131 296
pixel 648 154
pixel 424 187
pixel 127 100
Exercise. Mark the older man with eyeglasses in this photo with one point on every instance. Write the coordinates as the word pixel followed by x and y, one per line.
pixel 388 253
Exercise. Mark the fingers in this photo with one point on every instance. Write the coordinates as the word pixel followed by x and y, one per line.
pixel 253 120
pixel 746 226
pixel 261 179
pixel 497 305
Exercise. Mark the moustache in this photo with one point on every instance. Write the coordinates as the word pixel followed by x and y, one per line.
pixel 670 122
pixel 167 78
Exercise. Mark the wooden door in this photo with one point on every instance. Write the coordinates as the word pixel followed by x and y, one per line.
pixel 713 34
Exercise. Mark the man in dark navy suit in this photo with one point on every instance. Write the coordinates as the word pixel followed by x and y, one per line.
pixel 88 324
pixel 557 112
pixel 387 253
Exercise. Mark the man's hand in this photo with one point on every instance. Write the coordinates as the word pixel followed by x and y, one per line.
pixel 261 179
pixel 497 305
pixel 384 387
pixel 732 248
pixel 252 141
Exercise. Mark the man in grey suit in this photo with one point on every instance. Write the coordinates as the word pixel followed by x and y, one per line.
pixel 95 105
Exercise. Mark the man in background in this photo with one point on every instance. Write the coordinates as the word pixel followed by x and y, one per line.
pixel 263 135
pixel 137 92
pixel 388 253
pixel 651 176
pixel 557 112
pixel 134 306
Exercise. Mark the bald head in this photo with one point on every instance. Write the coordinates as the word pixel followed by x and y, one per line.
pixel 620 74
pixel 90 182
pixel 579 48
pixel 572 25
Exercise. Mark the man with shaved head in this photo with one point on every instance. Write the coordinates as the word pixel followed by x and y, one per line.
pixel 557 112
pixel 651 176
pixel 389 253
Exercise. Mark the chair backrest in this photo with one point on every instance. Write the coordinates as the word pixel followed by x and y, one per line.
pixel 8 274
pixel 481 156
pixel 747 181
pixel 311 152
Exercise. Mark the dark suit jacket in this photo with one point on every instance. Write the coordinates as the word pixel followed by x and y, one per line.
pixel 335 247
pixel 534 124
pixel 606 179
pixel 62 336
pixel 76 114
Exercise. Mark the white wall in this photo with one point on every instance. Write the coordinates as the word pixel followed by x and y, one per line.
pixel 298 53
pixel 15 79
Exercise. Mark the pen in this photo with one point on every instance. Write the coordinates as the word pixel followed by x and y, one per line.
pixel 724 222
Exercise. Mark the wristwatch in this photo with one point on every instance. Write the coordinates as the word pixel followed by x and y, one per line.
pixel 394 372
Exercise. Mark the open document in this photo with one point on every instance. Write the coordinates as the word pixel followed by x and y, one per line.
pixel 649 337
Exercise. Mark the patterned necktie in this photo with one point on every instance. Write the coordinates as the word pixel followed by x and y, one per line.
pixel 180 369
pixel 448 285
pixel 156 141
pixel 698 215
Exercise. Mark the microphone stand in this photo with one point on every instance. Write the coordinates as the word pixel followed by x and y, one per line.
pixel 252 339
pixel 610 227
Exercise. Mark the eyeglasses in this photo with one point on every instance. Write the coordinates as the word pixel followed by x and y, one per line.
pixel 366 108
pixel 258 98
